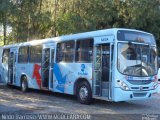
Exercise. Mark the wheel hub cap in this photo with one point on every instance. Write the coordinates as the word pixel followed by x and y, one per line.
pixel 83 93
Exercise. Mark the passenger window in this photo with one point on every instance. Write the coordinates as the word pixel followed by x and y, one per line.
pixel 65 51
pixel 5 56
pixel 35 54
pixel 23 54
pixel 84 50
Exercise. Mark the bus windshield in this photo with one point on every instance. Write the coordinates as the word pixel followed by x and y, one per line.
pixel 132 36
pixel 137 59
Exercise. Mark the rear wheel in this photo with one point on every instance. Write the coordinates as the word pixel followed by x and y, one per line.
pixel 24 84
pixel 84 93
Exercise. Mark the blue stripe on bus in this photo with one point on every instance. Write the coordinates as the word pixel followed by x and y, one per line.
pixel 60 78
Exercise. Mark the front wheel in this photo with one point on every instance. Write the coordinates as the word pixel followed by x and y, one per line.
pixel 24 84
pixel 84 93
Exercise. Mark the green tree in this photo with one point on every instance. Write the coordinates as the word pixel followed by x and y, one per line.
pixel 37 19
pixel 5 9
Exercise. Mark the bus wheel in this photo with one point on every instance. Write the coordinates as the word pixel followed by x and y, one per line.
pixel 84 93
pixel 24 84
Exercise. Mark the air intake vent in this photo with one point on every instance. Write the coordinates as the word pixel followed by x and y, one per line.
pixel 139 82
pixel 138 88
pixel 139 94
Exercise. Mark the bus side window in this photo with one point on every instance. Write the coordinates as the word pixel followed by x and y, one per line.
pixel 84 50
pixel 5 56
pixel 23 54
pixel 65 51
pixel 35 54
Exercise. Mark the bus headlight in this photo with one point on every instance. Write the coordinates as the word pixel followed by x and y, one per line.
pixel 155 85
pixel 122 85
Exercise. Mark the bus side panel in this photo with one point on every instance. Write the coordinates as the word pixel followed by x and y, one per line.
pixel 33 73
pixel 65 75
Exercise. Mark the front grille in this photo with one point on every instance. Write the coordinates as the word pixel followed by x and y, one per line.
pixel 140 82
pixel 139 94
pixel 145 88
pixel 138 88
pixel 135 88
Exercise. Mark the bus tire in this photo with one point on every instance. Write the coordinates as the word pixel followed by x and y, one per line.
pixel 24 84
pixel 84 93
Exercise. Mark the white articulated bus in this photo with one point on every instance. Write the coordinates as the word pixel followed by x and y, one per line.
pixel 112 64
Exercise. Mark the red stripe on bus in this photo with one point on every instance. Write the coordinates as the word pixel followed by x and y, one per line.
pixel 37 75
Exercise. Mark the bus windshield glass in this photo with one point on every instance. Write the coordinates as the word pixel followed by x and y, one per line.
pixel 134 36
pixel 137 59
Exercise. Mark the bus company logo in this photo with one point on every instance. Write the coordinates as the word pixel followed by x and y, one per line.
pixel 83 68
pixel 141 88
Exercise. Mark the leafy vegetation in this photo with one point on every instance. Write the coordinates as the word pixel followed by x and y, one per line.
pixel 1 40
pixel 37 19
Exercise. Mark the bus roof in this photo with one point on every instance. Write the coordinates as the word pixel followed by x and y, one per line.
pixel 84 35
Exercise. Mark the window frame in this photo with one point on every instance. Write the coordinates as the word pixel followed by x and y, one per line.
pixel 27 56
pixel 64 52
pixel 8 50
pixel 91 45
pixel 34 48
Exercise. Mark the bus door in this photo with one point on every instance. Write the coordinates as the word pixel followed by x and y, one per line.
pixel 51 68
pixel 102 74
pixel 11 67
pixel 45 67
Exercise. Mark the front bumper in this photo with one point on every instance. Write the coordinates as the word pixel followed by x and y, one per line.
pixel 121 95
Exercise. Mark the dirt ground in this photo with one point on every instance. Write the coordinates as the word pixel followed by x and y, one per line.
pixel 13 101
